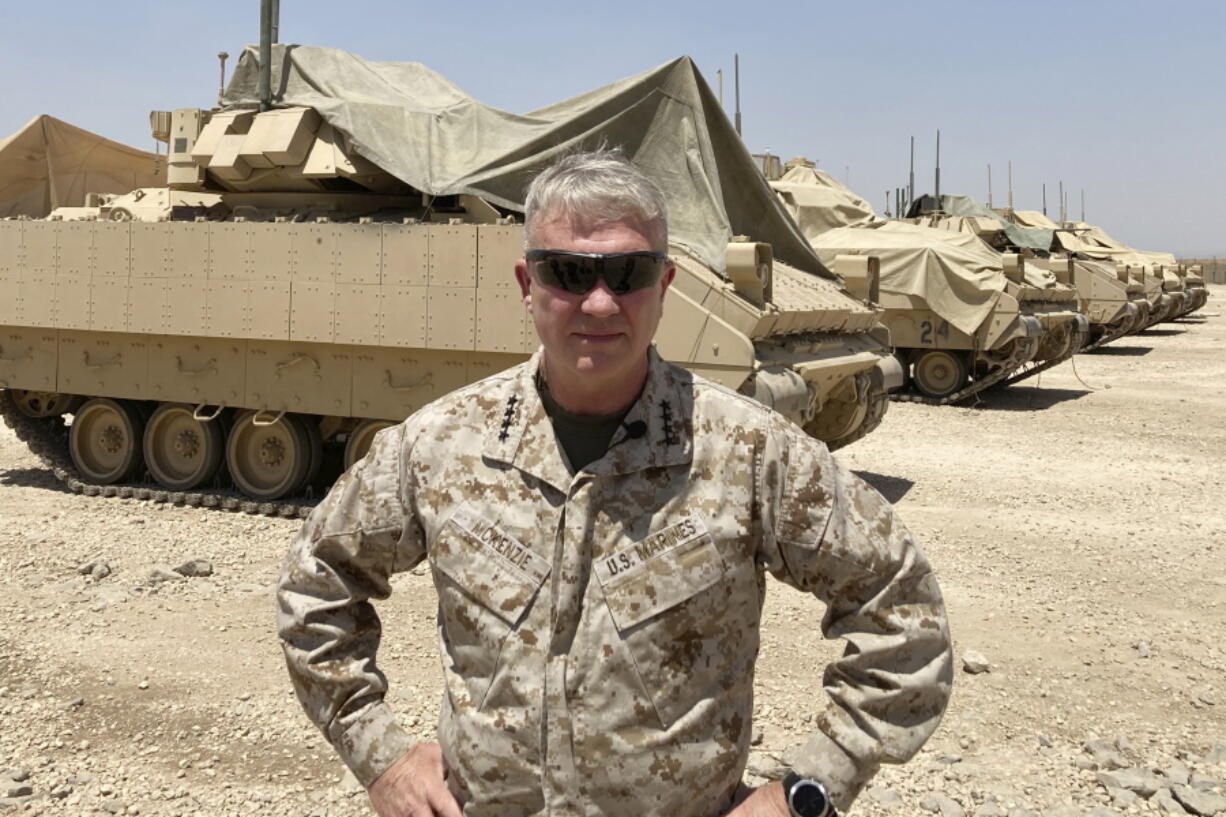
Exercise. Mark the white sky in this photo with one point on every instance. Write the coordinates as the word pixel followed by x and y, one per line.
pixel 1122 99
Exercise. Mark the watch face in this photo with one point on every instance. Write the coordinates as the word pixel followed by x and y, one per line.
pixel 808 799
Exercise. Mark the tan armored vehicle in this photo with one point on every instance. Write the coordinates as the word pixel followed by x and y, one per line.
pixel 1111 302
pixel 1041 293
pixel 1181 292
pixel 301 284
pixel 945 296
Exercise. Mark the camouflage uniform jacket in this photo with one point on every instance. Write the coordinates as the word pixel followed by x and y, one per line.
pixel 598 630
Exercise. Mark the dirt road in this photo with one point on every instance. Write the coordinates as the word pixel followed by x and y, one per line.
pixel 1078 529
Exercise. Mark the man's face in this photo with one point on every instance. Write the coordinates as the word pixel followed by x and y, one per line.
pixel 596 343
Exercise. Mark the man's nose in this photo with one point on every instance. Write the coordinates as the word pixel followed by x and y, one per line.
pixel 600 301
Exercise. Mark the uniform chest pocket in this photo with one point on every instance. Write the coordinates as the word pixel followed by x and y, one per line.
pixel 486 582
pixel 667 598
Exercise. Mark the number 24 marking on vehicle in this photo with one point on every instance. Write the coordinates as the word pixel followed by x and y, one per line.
pixel 926 331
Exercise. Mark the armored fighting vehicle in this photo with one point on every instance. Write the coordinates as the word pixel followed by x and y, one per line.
pixel 311 275
pixel 1172 289
pixel 1041 293
pixel 1114 305
pixel 955 327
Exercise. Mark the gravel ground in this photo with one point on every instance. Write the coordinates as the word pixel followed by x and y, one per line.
pixel 1078 529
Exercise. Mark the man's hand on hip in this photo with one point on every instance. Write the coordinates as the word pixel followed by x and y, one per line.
pixel 415 786
pixel 765 801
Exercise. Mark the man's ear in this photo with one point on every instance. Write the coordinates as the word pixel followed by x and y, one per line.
pixel 666 278
pixel 525 282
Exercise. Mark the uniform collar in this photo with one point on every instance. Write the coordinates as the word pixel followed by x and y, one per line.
pixel 521 433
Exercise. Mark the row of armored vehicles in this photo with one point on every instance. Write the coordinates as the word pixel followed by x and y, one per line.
pixel 977 298
pixel 302 274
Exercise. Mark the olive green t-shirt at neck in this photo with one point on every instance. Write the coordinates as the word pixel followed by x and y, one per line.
pixel 584 437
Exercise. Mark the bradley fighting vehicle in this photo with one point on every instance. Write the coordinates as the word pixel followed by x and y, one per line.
pixel 284 298
pixel 1110 300
pixel 1173 290
pixel 1049 297
pixel 955 326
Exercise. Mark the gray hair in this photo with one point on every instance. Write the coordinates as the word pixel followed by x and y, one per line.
pixel 594 188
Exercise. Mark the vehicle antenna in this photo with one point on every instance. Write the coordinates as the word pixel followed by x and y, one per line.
pixel 911 178
pixel 1062 203
pixel 221 83
pixel 1044 198
pixel 719 74
pixel 736 75
pixel 989 185
pixel 1083 204
pixel 266 25
pixel 1010 184
pixel 938 173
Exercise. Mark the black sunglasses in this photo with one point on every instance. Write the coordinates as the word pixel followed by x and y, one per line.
pixel 577 272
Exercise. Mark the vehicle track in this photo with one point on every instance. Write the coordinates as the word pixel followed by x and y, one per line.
pixel 47 438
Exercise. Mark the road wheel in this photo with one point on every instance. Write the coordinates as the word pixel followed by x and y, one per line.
pixel 182 453
pixel 1057 344
pixel 315 445
pixel 361 438
pixel 40 404
pixel 105 440
pixel 938 373
pixel 269 460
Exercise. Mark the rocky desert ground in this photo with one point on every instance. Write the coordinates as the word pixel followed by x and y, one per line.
pixel 1078 526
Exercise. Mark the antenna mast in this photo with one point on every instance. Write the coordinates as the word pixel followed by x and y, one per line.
pixel 221 83
pixel 989 185
pixel 1062 201
pixel 1010 184
pixel 1044 198
pixel 911 178
pixel 1083 204
pixel 736 70
pixel 719 73
pixel 938 173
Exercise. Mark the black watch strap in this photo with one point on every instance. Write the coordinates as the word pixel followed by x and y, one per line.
pixel 806 797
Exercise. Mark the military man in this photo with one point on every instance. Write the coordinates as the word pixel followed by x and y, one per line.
pixel 598 524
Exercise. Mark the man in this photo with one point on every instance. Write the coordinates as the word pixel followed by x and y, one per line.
pixel 598 523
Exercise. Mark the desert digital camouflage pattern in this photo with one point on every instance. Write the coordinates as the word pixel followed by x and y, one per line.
pixel 255 322
pixel 599 629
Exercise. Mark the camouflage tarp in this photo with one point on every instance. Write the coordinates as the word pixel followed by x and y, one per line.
pixel 49 164
pixel 1034 238
pixel 423 130
pixel 956 275
pixel 817 201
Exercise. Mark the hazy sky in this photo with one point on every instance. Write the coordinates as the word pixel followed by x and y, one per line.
pixel 1123 99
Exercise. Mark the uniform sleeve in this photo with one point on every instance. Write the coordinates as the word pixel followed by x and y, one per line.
pixel 341 559
pixel 828 533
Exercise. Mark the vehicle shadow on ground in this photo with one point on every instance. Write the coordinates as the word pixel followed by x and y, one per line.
pixel 1161 333
pixel 32 478
pixel 1121 351
pixel 1026 398
pixel 892 488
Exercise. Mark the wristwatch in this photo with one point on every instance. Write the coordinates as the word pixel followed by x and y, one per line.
pixel 807 798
